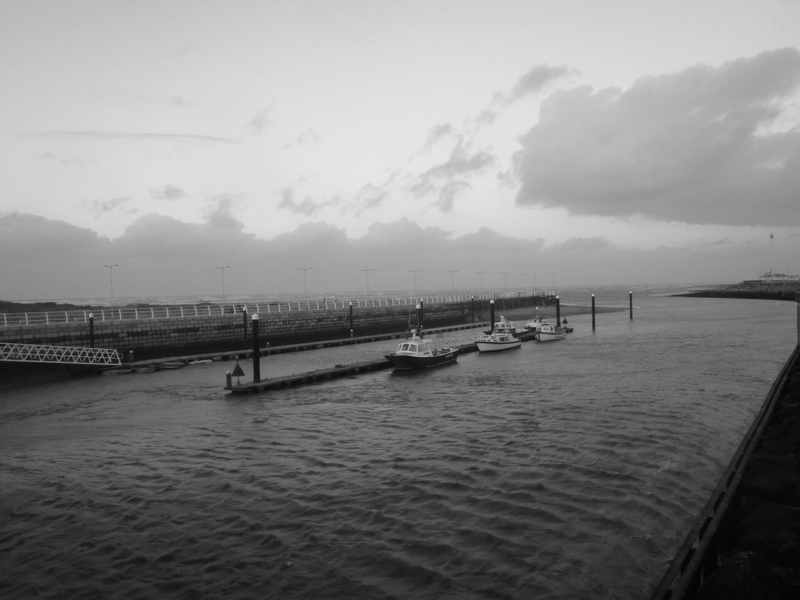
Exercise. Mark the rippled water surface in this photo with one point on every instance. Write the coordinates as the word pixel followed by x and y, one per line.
pixel 563 470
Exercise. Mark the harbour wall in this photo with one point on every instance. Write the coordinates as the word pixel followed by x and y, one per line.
pixel 151 338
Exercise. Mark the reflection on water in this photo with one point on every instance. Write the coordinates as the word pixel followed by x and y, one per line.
pixel 565 470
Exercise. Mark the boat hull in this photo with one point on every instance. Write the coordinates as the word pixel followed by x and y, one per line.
pixel 548 336
pixel 403 362
pixel 498 346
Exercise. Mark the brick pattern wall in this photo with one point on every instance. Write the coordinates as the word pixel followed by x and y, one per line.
pixel 188 335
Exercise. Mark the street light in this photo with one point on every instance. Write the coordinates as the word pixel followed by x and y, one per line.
pixel 415 271
pixel 522 280
pixel 553 280
pixel 111 281
pixel 367 272
pixel 305 287
pixel 453 280
pixel 481 274
pixel 223 280
pixel 505 279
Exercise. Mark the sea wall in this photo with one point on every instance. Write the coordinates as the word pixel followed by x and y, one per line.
pixel 754 290
pixel 151 338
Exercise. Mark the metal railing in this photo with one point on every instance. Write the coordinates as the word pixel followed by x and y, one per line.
pixel 129 313
pixel 58 354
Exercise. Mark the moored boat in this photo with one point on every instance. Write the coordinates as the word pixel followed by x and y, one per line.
pixel 419 353
pixel 502 326
pixel 535 323
pixel 493 342
pixel 550 333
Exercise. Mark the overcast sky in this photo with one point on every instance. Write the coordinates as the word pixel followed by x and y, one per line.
pixel 610 142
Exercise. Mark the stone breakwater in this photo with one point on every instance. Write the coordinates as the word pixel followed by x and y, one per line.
pixel 754 290
pixel 154 338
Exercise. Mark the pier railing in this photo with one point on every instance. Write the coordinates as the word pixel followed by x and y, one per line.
pixel 163 311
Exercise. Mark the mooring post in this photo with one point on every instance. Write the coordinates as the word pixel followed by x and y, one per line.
pixel 797 299
pixel 256 351
pixel 228 380
pixel 244 325
pixel 91 330
pixel 491 314
pixel 592 312
pixel 351 318
pixel 630 303
pixel 558 311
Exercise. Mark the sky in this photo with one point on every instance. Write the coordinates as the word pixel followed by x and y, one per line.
pixel 354 146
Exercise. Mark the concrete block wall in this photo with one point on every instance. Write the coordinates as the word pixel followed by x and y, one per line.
pixel 189 335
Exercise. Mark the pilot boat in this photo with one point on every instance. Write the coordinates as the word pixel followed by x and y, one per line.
pixel 419 353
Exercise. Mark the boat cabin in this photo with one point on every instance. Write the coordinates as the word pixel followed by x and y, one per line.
pixel 417 347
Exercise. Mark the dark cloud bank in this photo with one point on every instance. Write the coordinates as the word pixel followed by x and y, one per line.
pixel 161 256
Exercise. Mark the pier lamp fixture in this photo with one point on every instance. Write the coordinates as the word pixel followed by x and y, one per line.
pixel 305 286
pixel 481 274
pixel 534 284
pixel 453 280
pixel 553 280
pixel 415 271
pixel 111 282
pixel 223 280
pixel 505 279
pixel 367 272
pixel 522 280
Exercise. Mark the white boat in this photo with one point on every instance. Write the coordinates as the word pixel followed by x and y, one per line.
pixel 535 323
pixel 550 333
pixel 419 353
pixel 493 342
pixel 504 326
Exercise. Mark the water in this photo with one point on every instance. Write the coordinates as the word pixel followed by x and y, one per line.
pixel 563 470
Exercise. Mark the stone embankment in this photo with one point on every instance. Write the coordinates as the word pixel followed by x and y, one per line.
pixel 756 290
pixel 763 556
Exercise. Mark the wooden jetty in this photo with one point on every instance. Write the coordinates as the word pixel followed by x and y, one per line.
pixel 342 370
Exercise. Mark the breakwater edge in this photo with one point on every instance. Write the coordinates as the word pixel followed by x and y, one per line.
pixel 555 471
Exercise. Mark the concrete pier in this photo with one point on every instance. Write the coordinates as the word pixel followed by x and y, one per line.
pixel 746 542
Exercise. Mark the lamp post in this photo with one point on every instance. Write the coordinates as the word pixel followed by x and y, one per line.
pixel 534 284
pixel 522 280
pixel 481 274
pixel 453 280
pixel 305 286
pixel 223 280
pixel 111 282
pixel 367 272
pixel 553 280
pixel 505 279
pixel 415 271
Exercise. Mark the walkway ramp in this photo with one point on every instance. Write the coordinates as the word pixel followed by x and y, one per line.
pixel 64 355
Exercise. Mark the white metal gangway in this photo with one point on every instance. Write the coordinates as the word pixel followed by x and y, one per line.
pixel 31 353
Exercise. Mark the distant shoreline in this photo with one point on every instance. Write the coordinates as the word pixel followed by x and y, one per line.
pixel 757 290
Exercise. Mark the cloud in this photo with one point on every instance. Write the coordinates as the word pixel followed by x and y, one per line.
pixel 135 136
pixel 306 207
pixel 161 256
pixel 691 146
pixel 449 179
pixel 438 132
pixel 98 207
pixel 219 212
pixel 259 122
pixel 535 80
pixel 168 192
